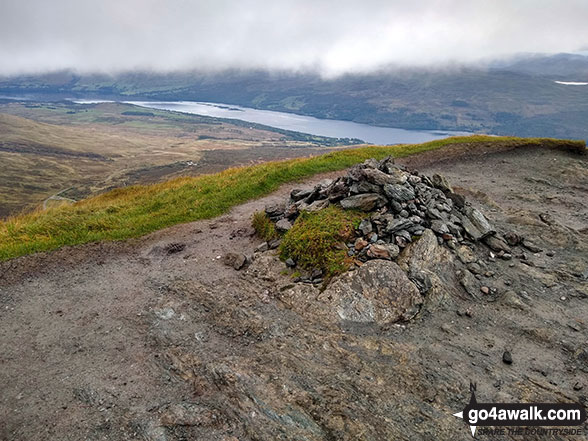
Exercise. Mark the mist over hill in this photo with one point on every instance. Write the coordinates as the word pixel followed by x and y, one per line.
pixel 518 96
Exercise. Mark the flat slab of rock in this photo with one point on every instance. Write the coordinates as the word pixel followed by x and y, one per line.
pixel 379 292
pixel 365 202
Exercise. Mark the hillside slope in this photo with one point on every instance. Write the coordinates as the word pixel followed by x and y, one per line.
pixel 78 150
pixel 156 339
pixel 137 210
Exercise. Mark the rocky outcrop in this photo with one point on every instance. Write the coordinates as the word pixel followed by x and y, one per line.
pixel 379 292
pixel 419 245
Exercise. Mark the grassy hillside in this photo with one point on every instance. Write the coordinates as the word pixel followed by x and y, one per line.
pixel 134 211
pixel 78 150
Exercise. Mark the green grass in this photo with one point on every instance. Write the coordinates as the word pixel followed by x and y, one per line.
pixel 134 211
pixel 263 226
pixel 317 239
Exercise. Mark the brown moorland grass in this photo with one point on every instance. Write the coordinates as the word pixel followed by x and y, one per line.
pixel 134 211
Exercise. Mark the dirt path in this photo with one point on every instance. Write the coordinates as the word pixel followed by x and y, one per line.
pixel 130 340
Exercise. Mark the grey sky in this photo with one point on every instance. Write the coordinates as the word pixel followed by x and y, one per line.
pixel 333 36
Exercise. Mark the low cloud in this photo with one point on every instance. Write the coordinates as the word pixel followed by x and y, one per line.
pixel 331 37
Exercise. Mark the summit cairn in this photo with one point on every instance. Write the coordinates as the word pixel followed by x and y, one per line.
pixel 399 204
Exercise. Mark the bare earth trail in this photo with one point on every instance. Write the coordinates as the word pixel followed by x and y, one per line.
pixel 140 340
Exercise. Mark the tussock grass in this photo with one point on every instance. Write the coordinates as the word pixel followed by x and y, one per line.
pixel 263 226
pixel 134 211
pixel 317 240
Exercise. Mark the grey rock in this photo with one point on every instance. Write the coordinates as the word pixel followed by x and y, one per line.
pixel 364 202
pixel 475 268
pixel 291 211
pixel 316 274
pixel 531 246
pixel 480 222
pixel 400 193
pixel 470 229
pixel 283 225
pixel 512 238
pixel 497 244
pixel 275 210
pixel 317 205
pixel 441 182
pixel 299 193
pixel 365 226
pixel 510 298
pixel 507 357
pixel 413 180
pixel 364 187
pixel 405 235
pixel 457 199
pixel 236 260
pixel 469 283
pixel 262 247
pixel 396 207
pixel 290 263
pixel 379 292
pixel 274 243
pixel 439 227
pixel 394 225
pixel 337 191
pixel 434 213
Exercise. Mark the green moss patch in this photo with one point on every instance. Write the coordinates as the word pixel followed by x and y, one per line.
pixel 317 240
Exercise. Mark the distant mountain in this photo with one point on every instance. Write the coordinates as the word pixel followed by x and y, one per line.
pixel 566 67
pixel 518 97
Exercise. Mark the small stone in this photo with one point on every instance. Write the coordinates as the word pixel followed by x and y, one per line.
pixel 283 225
pixel 474 268
pixel 298 193
pixel 290 263
pixel 525 295
pixel 439 227
pixel 578 386
pixel 512 239
pixel 316 274
pixel 383 251
pixel 173 248
pixel 274 210
pixel 236 260
pixel 531 246
pixel 441 182
pixel 507 357
pixel 485 290
pixel 550 253
pixel 274 243
pixel 262 247
pixel 360 244
pixel 365 226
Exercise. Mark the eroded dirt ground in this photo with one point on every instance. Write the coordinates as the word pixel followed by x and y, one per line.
pixel 129 341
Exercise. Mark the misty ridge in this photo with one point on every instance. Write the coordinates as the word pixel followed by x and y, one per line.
pixel 515 96
pixel 328 38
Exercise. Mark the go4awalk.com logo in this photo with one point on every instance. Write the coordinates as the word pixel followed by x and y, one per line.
pixel 523 418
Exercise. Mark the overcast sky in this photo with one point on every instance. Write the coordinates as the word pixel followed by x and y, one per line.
pixel 331 36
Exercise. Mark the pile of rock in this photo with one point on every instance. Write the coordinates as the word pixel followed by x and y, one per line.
pixel 401 206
